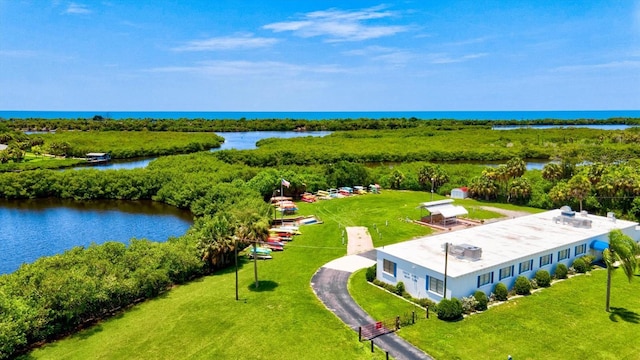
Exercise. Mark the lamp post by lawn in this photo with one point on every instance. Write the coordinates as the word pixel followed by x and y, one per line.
pixel 432 183
pixel 235 253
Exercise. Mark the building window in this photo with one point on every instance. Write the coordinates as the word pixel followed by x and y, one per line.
pixel 389 267
pixel 436 285
pixel 526 266
pixel 581 249
pixel 563 254
pixel 506 272
pixel 546 260
pixel 485 279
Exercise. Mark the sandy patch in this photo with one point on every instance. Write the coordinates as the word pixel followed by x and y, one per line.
pixel 359 240
pixel 508 213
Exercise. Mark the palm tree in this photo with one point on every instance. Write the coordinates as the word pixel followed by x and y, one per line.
pixel 624 251
pixel 519 189
pixel 253 228
pixel 516 167
pixel 580 187
pixel 552 172
pixel 216 241
pixel 397 177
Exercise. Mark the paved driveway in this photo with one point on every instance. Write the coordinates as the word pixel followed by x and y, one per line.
pixel 330 285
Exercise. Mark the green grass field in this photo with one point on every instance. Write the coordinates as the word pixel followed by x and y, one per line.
pixel 283 320
pixel 565 321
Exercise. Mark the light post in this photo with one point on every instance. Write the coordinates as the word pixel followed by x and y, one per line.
pixel 432 183
pixel 235 252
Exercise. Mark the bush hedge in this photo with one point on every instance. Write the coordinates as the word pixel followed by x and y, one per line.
pixel 371 272
pixel 449 310
pixel 501 292
pixel 483 300
pixel 579 266
pixel 522 286
pixel 543 278
pixel 561 271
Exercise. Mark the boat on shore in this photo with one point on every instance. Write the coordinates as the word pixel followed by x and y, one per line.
pixel 259 252
pixel 97 158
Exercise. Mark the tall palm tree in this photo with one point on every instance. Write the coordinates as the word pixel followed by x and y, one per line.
pixel 552 172
pixel 580 187
pixel 253 228
pixel 215 242
pixel 624 251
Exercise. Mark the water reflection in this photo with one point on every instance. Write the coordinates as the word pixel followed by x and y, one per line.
pixel 30 229
pixel 245 140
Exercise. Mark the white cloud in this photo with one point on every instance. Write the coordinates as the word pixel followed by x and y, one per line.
pixel 624 64
pixel 383 54
pixel 446 59
pixel 243 41
pixel 17 53
pixel 235 68
pixel 340 25
pixel 77 9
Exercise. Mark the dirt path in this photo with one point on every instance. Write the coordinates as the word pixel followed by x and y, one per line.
pixel 359 240
pixel 508 213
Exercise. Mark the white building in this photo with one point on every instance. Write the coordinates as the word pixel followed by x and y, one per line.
pixel 460 193
pixel 482 256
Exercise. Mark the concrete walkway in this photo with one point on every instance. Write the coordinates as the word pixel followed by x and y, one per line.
pixel 329 284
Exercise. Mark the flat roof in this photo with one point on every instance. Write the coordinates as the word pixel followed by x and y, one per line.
pixel 502 241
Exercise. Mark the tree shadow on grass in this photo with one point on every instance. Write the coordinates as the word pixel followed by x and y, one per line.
pixel 263 285
pixel 624 315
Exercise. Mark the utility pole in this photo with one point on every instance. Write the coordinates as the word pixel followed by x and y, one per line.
pixel 235 253
pixel 432 183
pixel 446 258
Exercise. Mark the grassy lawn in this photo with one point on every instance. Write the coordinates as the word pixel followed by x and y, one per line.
pixel 566 321
pixel 284 320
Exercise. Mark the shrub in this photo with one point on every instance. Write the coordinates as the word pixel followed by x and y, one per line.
pixel 522 286
pixel 501 292
pixel 561 271
pixel 399 288
pixel 588 261
pixel 469 304
pixel 579 265
pixel 449 309
pixel 543 278
pixel 371 273
pixel 424 302
pixel 482 299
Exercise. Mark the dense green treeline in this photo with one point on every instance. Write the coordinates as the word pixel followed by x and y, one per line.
pixel 426 144
pixel 68 148
pixel 131 144
pixel 56 295
pixel 195 125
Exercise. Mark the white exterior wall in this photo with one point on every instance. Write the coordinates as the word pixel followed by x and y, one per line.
pixel 416 276
pixel 458 194
pixel 413 276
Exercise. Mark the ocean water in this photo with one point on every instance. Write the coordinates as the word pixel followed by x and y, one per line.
pixel 321 115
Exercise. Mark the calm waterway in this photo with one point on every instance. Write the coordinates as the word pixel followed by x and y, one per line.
pixel 232 140
pixel 30 229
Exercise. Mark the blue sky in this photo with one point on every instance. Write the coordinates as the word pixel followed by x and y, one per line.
pixel 319 55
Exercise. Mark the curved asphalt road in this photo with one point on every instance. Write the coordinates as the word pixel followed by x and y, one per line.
pixel 330 285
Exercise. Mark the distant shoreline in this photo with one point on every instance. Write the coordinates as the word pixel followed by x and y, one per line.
pixel 328 115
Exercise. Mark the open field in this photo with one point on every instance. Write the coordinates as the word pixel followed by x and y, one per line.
pixel 282 320
pixel 565 321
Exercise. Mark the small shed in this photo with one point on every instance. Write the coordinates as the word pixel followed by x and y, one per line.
pixel 442 212
pixel 460 193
